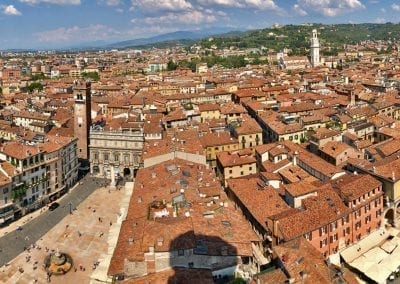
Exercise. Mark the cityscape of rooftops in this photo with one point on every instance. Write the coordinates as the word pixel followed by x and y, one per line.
pixel 199 141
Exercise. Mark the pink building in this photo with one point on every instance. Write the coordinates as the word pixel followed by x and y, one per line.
pixel 341 213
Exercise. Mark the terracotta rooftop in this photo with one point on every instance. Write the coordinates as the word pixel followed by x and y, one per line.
pixel 260 200
pixel 293 174
pixel 351 187
pixel 185 141
pixel 217 139
pixel 319 211
pixel 334 148
pixel 300 188
pixel 248 126
pixel 303 262
pixel 323 133
pixel 231 108
pixel 209 107
pixel 153 221
pixel 176 275
pixel 20 151
pixel 230 159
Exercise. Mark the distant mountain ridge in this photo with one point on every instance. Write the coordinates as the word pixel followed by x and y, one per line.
pixel 173 36
pixel 333 38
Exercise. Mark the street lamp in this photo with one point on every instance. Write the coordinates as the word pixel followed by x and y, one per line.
pixel 70 207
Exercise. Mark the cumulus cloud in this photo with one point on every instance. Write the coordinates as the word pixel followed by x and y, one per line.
pixel 380 20
pixel 229 3
pixel 166 5
pixel 299 11
pixel 60 2
pixel 192 17
pixel 76 33
pixel 257 4
pixel 330 8
pixel 110 2
pixel 261 4
pixel 395 7
pixel 10 10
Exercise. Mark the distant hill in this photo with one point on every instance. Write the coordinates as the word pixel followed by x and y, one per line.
pixel 333 37
pixel 173 37
pixel 295 37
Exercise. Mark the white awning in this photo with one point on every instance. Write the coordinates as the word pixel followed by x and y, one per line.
pixel 376 262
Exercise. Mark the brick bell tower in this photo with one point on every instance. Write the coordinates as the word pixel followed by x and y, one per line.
pixel 82 119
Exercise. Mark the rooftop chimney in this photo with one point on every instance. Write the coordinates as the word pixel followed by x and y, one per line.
pixel 295 157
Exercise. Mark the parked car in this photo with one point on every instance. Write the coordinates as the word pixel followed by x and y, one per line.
pixel 53 206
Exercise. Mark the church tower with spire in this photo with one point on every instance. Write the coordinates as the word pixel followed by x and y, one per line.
pixel 314 49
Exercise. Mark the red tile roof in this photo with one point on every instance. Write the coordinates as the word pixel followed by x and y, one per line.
pixel 260 200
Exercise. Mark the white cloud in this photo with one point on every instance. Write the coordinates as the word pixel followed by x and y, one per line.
pixel 222 14
pixel 193 17
pixel 76 34
pixel 230 3
pixel 110 2
pixel 60 2
pixel 261 4
pixel 257 4
pixel 330 8
pixel 299 11
pixel 72 35
pixel 11 10
pixel 380 20
pixel 165 5
pixel 395 7
pixel 383 10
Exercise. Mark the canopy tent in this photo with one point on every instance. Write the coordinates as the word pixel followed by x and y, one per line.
pixel 375 238
pixel 376 254
pixel 377 263
pixel 362 263
pixel 378 273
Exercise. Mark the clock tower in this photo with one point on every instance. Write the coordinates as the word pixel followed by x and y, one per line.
pixel 82 118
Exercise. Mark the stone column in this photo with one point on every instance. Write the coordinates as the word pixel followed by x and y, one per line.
pixel 112 173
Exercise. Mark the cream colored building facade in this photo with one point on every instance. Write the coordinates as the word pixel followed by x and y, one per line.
pixel 117 149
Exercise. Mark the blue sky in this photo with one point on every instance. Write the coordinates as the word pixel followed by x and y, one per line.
pixel 60 23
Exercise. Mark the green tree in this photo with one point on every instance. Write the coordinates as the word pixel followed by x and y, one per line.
pixel 91 75
pixel 36 77
pixel 34 86
pixel 171 65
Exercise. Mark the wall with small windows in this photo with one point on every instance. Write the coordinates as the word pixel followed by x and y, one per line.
pixel 239 171
pixel 365 216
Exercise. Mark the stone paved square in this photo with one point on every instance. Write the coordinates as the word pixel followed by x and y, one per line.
pixel 82 235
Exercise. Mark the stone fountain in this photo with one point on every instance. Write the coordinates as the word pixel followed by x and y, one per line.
pixel 58 263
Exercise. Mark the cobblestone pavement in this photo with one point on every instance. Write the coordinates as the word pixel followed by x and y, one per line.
pixel 83 235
